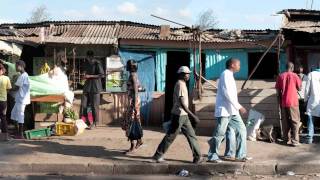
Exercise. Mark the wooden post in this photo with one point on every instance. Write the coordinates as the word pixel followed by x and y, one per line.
pixel 279 95
pixel 200 66
pixel 54 56
pixel 278 54
pixel 65 54
pixel 194 61
pixel 73 68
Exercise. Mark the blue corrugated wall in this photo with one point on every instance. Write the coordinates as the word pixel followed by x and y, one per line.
pixel 161 63
pixel 216 59
pixel 146 69
pixel 215 64
pixel 191 81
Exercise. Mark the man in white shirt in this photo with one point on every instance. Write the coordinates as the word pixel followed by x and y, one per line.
pixel 227 113
pixel 22 98
pixel 312 97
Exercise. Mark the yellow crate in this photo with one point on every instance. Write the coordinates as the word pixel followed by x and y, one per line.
pixel 65 129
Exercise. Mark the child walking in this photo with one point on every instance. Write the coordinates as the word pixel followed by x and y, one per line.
pixel 5 85
pixel 22 98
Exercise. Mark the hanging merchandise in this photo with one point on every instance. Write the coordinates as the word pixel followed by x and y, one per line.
pixel 115 74
pixel 45 68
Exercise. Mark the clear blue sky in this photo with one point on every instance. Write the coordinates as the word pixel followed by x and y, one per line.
pixel 232 14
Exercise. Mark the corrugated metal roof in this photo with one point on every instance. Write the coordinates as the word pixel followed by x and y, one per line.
pixel 302 20
pixel 304 26
pixel 108 32
pixel 31 41
pixel 11 32
pixel 299 12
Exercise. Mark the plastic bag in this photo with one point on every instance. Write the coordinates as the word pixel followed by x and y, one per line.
pixel 253 123
pixel 80 126
pixel 135 131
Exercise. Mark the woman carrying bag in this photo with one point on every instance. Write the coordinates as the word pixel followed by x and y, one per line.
pixel 132 123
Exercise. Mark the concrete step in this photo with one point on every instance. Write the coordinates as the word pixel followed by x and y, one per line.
pixel 251 84
pixel 242 100
pixel 244 92
pixel 209 107
pixel 210 115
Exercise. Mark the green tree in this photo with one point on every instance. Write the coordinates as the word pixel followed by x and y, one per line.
pixel 39 14
pixel 206 20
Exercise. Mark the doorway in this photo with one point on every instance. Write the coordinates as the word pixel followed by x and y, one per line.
pixel 175 59
pixel 313 61
pixel 267 68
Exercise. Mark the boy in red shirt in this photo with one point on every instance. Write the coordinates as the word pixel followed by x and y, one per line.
pixel 288 84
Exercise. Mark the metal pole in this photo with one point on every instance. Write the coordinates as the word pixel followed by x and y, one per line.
pixel 170 21
pixel 261 58
pixel 279 95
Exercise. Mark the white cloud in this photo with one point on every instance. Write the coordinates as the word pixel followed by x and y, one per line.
pixel 127 8
pixel 259 19
pixel 6 21
pixel 75 14
pixel 185 12
pixel 160 11
pixel 97 11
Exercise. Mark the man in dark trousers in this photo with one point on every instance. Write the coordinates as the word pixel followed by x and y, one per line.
pixel 92 88
pixel 180 120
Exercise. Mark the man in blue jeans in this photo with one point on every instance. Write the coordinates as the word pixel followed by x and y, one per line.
pixel 312 97
pixel 230 139
pixel 227 113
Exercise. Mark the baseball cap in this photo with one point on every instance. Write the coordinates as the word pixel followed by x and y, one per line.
pixel 184 69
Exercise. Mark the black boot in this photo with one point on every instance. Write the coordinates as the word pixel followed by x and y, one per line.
pixel 20 131
pixel 16 128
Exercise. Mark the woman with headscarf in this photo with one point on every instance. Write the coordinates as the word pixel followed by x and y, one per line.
pixel 132 123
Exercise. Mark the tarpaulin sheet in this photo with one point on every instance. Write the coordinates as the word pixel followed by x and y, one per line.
pixel 146 75
pixel 53 84
pixel 42 85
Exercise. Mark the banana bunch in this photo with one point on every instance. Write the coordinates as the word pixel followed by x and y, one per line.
pixel 45 68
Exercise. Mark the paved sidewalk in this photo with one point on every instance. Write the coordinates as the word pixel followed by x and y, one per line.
pixel 101 151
